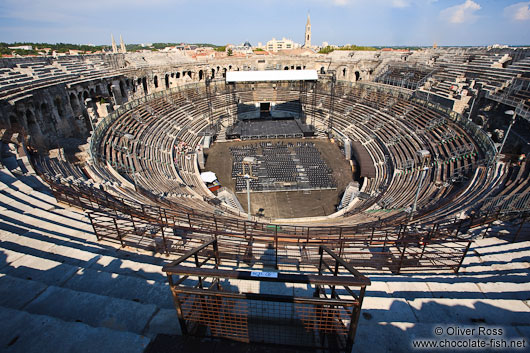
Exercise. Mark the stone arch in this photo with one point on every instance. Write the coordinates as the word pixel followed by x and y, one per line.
pixel 59 106
pixel 109 90
pixel 357 75
pixel 322 70
pixel 13 121
pixel 286 68
pixel 122 90
pixel 92 94
pixel 85 96
pixel 200 75
pixel 177 75
pixel 166 81
pixel 46 113
pixel 74 104
pixel 213 73
pixel 31 121
pixel 144 84
pixel 189 74
pixel 344 71
pixel 229 67
pixel 155 81
pixel 224 72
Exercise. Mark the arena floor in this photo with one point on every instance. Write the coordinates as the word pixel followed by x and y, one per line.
pixel 285 204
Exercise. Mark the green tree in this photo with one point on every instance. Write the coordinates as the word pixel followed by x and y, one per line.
pixel 229 52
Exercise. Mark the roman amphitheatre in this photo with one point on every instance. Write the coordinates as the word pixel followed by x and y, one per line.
pixel 389 194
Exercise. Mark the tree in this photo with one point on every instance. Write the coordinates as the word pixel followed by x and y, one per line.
pixel 229 52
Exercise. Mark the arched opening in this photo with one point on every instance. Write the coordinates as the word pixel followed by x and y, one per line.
pixel 13 121
pixel 98 90
pixel 200 75
pixel 111 93
pixel 144 84
pixel 59 107
pixel 286 68
pixel 33 128
pixel 322 70
pixel 92 94
pixel 299 67
pixel 85 96
pixel 213 73
pixel 172 75
pixel 155 81
pixel 357 76
pixel 167 80
pixel 189 74
pixel 177 74
pixel 218 68
pixel 344 72
pixel 122 90
pixel 46 113
pixel 224 72
pixel 229 67
pixel 74 103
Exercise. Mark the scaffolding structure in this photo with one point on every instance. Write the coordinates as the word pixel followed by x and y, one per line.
pixel 232 304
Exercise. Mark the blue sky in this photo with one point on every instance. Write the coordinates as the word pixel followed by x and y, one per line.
pixel 360 22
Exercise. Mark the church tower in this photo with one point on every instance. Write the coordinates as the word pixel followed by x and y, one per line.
pixel 114 47
pixel 307 43
pixel 123 49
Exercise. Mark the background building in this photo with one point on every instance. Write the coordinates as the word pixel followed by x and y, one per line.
pixel 275 45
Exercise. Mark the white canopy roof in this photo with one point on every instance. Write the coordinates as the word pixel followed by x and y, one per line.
pixel 208 177
pixel 271 75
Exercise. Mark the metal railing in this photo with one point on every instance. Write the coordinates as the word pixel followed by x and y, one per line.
pixel 173 231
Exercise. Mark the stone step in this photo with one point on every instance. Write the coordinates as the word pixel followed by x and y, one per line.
pixel 93 309
pixel 9 180
pixel 28 333
pixel 22 201
pixel 23 285
pixel 121 286
pixel 35 253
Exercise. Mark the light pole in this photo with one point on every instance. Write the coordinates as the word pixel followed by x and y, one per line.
pixel 248 161
pixel 129 139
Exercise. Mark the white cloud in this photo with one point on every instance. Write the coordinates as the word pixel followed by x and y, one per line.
pixel 390 3
pixel 400 3
pixel 519 11
pixel 461 13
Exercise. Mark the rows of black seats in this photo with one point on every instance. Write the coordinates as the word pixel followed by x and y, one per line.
pixel 282 166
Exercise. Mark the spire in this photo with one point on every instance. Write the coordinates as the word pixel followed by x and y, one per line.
pixel 307 38
pixel 123 49
pixel 114 48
